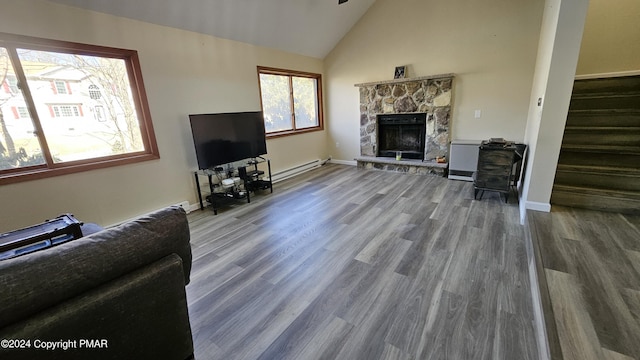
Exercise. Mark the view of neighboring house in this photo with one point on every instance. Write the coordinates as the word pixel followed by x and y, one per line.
pixel 77 105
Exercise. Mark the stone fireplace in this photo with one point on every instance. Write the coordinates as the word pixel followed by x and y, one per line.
pixel 426 97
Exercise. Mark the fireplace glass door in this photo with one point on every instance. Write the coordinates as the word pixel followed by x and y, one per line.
pixel 401 132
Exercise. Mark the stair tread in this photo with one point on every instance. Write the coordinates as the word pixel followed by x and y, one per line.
pixel 602 148
pixel 596 202
pixel 605 94
pixel 598 112
pixel 613 170
pixel 600 153
pixel 626 194
pixel 607 128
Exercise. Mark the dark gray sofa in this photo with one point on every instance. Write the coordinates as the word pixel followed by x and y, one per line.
pixel 125 285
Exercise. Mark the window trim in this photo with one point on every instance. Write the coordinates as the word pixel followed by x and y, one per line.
pixel 74 110
pixel 60 85
pixel 319 99
pixel 23 112
pixel 13 88
pixel 138 93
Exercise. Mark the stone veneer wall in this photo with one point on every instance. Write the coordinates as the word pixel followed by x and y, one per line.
pixel 430 94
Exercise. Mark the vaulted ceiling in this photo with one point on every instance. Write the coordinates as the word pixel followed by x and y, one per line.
pixel 306 27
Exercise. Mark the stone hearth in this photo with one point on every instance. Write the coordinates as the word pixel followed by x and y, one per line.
pixel 404 166
pixel 429 94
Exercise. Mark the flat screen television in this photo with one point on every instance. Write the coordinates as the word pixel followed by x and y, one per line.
pixel 227 137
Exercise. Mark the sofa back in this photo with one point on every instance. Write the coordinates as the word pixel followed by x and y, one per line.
pixel 59 285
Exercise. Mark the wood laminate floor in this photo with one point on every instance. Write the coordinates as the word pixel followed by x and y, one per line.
pixel 345 263
pixel 591 262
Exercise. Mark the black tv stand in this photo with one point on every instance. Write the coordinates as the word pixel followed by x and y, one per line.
pixel 251 180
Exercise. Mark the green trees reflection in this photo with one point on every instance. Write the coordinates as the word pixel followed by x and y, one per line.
pixel 283 96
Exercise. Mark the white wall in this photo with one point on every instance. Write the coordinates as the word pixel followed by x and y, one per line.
pixel 184 73
pixel 556 65
pixel 611 40
pixel 540 80
pixel 490 45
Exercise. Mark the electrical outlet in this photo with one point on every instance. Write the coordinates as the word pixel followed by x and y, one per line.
pixel 477 114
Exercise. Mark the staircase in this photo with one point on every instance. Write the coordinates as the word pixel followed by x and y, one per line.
pixel 599 165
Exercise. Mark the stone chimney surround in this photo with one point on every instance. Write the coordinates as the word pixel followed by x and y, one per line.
pixel 427 94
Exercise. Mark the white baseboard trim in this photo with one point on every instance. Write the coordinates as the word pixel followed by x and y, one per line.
pixel 608 75
pixel 194 207
pixel 296 170
pixel 540 328
pixel 523 211
pixel 344 162
pixel 537 206
pixel 462 178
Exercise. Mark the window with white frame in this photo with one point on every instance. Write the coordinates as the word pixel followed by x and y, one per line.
pixel 23 112
pixel 61 87
pixel 94 92
pixel 66 110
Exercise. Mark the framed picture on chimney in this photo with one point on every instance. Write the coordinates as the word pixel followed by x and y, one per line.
pixel 400 72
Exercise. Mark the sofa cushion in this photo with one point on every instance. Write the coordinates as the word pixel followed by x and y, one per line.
pixel 36 281
pixel 141 315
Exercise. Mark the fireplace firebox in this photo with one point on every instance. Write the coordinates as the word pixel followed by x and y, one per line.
pixel 402 132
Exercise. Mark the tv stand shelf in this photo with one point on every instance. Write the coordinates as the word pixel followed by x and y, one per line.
pixel 255 173
pixel 251 179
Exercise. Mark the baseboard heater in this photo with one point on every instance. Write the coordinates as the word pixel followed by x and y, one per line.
pixel 463 159
pixel 296 170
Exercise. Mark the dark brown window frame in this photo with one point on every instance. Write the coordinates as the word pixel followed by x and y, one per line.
pixel 295 73
pixel 50 169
